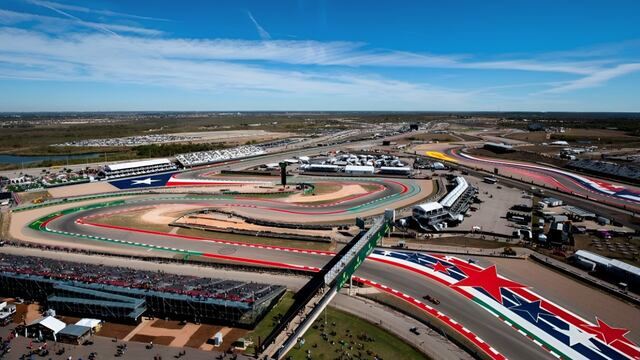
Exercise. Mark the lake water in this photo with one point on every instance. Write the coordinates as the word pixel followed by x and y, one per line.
pixel 20 159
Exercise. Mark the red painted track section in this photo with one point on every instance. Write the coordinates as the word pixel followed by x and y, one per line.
pixel 478 342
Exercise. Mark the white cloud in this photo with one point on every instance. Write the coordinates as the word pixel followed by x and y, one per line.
pixel 71 49
pixel 596 79
pixel 57 24
pixel 102 58
pixel 86 10
pixel 264 35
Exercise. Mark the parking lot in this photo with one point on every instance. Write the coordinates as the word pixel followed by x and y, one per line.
pixel 491 213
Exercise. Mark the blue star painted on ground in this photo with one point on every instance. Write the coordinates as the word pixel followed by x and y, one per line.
pixel 530 309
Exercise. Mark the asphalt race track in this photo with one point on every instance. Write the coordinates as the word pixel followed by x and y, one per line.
pixel 481 307
pixel 486 326
pixel 604 191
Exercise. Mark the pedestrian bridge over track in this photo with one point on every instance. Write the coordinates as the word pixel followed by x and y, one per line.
pixel 314 297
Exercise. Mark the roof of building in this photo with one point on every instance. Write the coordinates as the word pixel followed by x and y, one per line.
pixel 89 322
pixel 398 168
pixel 323 166
pixel 74 330
pixel 608 262
pixel 626 267
pixel 430 206
pixel 593 257
pixel 454 194
pixel 49 322
pixel 550 200
pixel 578 211
pixel 137 164
pixel 359 168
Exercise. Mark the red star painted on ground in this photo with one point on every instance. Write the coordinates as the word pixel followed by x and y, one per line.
pixel 441 267
pixel 607 333
pixel 488 280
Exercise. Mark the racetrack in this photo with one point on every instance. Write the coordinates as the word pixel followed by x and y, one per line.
pixel 603 191
pixel 74 227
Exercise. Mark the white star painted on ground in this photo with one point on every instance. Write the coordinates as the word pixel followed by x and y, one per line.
pixel 146 181
pixel 577 336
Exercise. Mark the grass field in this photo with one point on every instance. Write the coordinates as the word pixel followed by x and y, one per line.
pixel 345 333
pixel 269 321
pixel 348 334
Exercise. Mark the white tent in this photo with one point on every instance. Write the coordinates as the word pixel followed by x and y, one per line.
pixel 90 323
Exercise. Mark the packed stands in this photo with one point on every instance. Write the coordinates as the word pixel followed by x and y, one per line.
pixel 125 294
pixel 627 172
pixel 214 156
pixel 135 168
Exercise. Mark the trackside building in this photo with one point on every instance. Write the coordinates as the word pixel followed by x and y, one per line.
pixel 449 210
pixel 134 168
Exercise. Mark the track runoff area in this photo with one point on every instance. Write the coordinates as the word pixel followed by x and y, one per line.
pixel 500 317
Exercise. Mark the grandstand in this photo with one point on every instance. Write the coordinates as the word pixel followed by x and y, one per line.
pixel 124 294
pixel 214 156
pixel 625 172
pixel 449 210
pixel 134 168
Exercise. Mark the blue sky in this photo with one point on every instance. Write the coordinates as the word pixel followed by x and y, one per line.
pixel 69 55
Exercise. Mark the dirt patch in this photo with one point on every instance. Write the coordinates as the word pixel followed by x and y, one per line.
pixel 160 340
pixel 118 331
pixel 524 156
pixel 232 336
pixel 26 313
pixel 461 241
pixel 82 189
pixel 163 215
pixel 613 138
pixel 432 137
pixel 467 137
pixel 204 333
pixel 167 324
pixel 29 196
pixel 620 248
pixel 342 192
pixel 69 319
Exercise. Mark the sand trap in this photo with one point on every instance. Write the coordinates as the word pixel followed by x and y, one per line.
pixel 166 214
pixel 345 191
